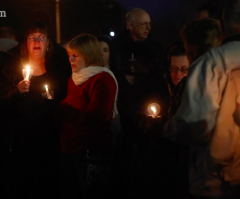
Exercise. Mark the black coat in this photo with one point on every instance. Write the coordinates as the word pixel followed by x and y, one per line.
pixel 29 119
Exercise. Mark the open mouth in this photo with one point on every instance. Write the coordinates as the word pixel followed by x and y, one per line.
pixel 36 48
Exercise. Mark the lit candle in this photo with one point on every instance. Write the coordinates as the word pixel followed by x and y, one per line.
pixel 27 72
pixel 47 92
pixel 153 110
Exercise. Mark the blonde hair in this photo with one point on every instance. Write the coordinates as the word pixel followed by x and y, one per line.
pixel 88 46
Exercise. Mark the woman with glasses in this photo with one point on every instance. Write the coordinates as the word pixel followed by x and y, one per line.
pixel 32 140
pixel 178 68
pixel 198 37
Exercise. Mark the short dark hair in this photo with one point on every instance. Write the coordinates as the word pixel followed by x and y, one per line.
pixel 201 34
pixel 108 40
pixel 214 11
pixel 232 12
pixel 176 51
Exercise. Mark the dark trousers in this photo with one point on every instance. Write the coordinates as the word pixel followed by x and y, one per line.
pixel 29 175
pixel 73 174
pixel 87 175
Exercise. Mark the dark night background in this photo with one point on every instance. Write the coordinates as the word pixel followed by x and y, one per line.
pixel 101 16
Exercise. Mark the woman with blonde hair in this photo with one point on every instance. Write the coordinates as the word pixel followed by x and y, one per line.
pixel 86 116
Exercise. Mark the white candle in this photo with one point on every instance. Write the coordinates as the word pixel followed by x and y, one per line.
pixel 154 110
pixel 132 56
pixel 47 92
pixel 27 72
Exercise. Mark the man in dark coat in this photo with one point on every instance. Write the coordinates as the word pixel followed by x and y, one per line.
pixel 137 67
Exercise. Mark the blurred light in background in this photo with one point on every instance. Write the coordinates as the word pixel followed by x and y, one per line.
pixel 112 34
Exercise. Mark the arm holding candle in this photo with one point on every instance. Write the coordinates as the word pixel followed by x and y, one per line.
pixel 23 86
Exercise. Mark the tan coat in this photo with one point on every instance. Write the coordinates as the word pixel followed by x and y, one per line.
pixel 204 120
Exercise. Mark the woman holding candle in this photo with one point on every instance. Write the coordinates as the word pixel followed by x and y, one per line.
pixel 86 114
pixel 32 139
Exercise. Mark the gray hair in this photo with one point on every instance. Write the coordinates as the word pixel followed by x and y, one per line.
pixel 130 15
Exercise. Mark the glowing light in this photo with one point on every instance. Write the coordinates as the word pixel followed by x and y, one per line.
pixel 47 92
pixel 112 34
pixel 154 110
pixel 27 73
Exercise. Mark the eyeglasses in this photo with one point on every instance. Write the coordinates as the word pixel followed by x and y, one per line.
pixel 39 38
pixel 72 57
pixel 176 69
pixel 144 25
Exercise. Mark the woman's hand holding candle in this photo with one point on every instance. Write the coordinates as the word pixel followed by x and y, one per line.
pixel 23 86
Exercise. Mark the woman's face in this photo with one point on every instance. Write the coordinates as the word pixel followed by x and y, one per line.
pixel 77 61
pixel 179 68
pixel 37 44
pixel 105 53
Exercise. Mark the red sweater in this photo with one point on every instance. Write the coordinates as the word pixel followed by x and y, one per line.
pixel 86 114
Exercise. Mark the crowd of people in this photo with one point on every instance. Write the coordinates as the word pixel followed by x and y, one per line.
pixel 75 120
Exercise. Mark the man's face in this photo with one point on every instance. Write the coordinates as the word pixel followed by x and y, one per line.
pixel 140 26
pixel 179 68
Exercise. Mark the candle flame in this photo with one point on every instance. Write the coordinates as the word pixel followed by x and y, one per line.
pixel 154 110
pixel 28 72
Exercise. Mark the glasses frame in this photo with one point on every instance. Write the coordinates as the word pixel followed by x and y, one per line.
pixel 176 69
pixel 38 38
pixel 144 25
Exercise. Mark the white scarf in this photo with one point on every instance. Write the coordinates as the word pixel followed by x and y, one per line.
pixel 84 74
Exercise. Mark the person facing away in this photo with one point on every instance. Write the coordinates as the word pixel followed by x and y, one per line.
pixel 197 116
pixel 209 10
pixel 85 117
pixel 212 11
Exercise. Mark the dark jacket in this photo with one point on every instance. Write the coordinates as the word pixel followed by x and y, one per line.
pixel 30 116
pixel 133 99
